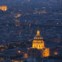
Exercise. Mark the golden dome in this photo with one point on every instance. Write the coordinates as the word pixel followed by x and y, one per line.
pixel 38 41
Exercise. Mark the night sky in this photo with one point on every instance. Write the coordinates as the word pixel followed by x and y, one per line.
pixel 45 15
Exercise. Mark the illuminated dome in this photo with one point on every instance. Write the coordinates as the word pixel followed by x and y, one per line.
pixel 38 41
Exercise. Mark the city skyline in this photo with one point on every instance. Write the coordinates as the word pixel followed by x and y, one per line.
pixel 19 22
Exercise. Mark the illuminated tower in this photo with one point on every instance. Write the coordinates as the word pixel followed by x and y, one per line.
pixel 38 42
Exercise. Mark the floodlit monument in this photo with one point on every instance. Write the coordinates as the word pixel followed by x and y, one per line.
pixel 38 43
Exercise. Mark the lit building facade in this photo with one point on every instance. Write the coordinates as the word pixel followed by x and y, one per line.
pixel 46 52
pixel 38 43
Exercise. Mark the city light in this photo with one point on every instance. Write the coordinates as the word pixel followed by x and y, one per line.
pixel 3 8
pixel 30 30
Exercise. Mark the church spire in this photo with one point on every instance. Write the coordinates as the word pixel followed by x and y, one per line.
pixel 38 33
